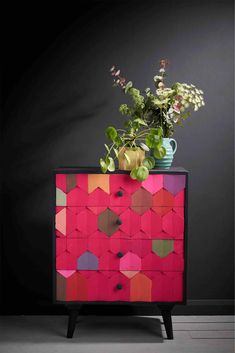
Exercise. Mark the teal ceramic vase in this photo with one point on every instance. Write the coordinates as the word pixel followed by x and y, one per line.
pixel 171 147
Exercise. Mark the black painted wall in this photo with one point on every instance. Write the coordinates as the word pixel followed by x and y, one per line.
pixel 59 98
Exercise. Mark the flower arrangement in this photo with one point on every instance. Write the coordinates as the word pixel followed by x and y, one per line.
pixel 151 117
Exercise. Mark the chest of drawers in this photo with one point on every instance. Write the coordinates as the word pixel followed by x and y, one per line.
pixel 120 240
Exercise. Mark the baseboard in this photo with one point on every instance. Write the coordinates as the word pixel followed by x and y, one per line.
pixel 214 302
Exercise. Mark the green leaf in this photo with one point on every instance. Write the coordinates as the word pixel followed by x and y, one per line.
pixel 133 173
pixel 111 133
pixel 128 86
pixel 103 166
pixel 149 162
pixel 107 148
pixel 140 121
pixel 111 164
pixel 144 147
pixel 159 152
pixel 151 140
pixel 118 141
pixel 142 173
pixel 116 152
pixel 127 158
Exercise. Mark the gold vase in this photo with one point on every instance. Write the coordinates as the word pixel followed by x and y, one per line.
pixel 135 155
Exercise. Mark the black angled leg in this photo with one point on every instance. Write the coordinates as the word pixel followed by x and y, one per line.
pixel 73 314
pixel 166 315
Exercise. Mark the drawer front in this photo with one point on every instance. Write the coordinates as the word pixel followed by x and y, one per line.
pixel 120 190
pixel 132 286
pixel 119 254
pixel 119 222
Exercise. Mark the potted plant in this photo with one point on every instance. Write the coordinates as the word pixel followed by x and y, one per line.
pixel 150 124
pixel 163 109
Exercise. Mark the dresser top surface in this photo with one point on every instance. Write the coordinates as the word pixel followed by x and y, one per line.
pixel 97 170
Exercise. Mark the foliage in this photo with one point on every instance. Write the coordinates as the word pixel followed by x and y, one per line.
pixel 150 117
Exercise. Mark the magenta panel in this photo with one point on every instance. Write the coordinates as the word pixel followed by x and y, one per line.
pixel 123 181
pixel 98 197
pixel 77 197
pixel 130 222
pixel 151 223
pixel 173 224
pixel 61 181
pixel 154 183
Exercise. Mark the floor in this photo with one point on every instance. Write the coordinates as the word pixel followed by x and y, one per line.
pixel 97 334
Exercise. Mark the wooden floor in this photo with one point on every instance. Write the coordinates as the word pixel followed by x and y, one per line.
pixel 96 334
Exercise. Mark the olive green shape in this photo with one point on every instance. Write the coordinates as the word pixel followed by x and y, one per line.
pixel 162 247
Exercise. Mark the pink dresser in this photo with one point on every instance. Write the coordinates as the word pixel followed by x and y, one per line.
pixel 120 240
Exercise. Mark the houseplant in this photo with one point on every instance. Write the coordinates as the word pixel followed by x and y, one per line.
pixel 151 120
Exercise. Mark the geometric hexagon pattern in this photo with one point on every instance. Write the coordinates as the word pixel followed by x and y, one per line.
pixel 118 239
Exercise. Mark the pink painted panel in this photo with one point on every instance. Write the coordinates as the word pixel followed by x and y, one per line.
pixel 98 290
pixel 130 262
pixel 66 261
pixel 154 183
pixel 87 222
pixel 98 246
pixel 109 261
pixel 119 245
pixel 77 197
pixel 173 224
pixel 179 199
pixel 130 222
pixel 66 273
pixel 141 235
pixel 60 245
pixel 167 286
pixel 61 181
pixel 172 262
pixel 123 201
pixel 141 247
pixel 122 294
pixel 82 181
pixel 151 223
pixel 98 197
pixel 124 181
pixel 71 218
pixel 60 221
pixel 77 246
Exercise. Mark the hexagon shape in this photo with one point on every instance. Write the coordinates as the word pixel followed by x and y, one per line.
pixel 140 288
pixel 163 198
pixel 141 200
pixel 162 247
pixel 130 262
pixel 107 222
pixel 87 261
pixel 153 183
pixel 174 183
pixel 173 224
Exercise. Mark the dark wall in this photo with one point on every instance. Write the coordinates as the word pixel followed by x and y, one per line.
pixel 59 98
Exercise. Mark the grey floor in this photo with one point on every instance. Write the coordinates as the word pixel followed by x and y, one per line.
pixel 36 334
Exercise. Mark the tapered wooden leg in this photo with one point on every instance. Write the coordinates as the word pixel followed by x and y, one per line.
pixel 73 314
pixel 166 315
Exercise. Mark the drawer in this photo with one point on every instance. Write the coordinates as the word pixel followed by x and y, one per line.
pixel 142 286
pixel 119 254
pixel 119 222
pixel 120 190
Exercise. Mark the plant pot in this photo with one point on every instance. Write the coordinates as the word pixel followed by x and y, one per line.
pixel 171 147
pixel 135 155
